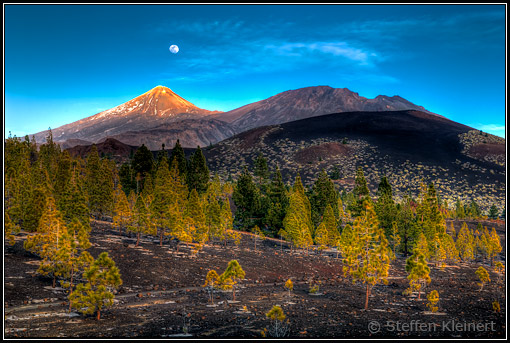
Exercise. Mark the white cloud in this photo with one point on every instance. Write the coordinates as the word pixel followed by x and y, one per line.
pixel 337 49
pixel 495 129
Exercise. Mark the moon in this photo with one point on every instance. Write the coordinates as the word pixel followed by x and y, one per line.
pixel 174 49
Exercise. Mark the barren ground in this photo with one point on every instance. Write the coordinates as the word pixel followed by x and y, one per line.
pixel 161 294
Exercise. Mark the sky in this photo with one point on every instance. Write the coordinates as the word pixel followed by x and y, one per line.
pixel 66 62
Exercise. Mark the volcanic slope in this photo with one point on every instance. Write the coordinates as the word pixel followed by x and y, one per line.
pixel 310 102
pixel 156 107
pixel 406 146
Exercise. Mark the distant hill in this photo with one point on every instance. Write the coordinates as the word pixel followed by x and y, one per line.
pixel 108 148
pixel 190 133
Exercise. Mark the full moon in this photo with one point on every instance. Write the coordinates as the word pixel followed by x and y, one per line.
pixel 174 49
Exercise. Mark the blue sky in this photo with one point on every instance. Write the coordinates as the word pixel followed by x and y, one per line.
pixel 67 62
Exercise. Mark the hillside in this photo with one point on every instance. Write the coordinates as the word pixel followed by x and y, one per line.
pixel 404 145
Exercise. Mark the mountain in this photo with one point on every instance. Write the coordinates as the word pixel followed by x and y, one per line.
pixel 406 146
pixel 161 116
pixel 154 108
pixel 309 102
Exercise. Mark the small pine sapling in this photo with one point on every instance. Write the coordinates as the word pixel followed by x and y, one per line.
pixel 433 298
pixel 495 306
pixel 211 282
pixel 234 273
pixel 483 275
pixel 289 286
pixel 279 327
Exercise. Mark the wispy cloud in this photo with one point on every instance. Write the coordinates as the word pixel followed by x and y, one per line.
pixel 495 129
pixel 338 49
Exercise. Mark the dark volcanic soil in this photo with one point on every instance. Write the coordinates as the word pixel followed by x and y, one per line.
pixel 162 294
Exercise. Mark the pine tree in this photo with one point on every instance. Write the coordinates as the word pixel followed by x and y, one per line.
pixel 448 244
pixel 10 229
pixel 211 282
pixel 368 260
pixel 433 298
pixel 234 273
pixel 247 199
pixel 347 243
pixel 198 172
pixel 49 154
pixel 261 168
pixel 121 211
pixel 385 206
pixel 279 202
pixel 141 219
pixel 226 220
pixel 163 198
pixel 408 228
pixel 34 208
pixel 148 189
pixel 483 275
pixel 360 194
pixel 493 212
pixel 493 245
pixel 102 276
pixel 327 233
pixel 72 252
pixel 417 267
pixel 213 217
pixel 297 221
pixel 465 243
pixel 92 184
pixel 64 174
pixel 142 162
pixel 459 210
pixel 321 237
pixel 46 242
pixel 323 194
pixel 180 158
pixel 127 178
pixel 73 201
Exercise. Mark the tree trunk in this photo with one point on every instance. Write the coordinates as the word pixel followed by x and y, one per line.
pixel 161 238
pixel 54 281
pixel 234 292
pixel 366 298
pixel 98 314
pixel 71 287
pixel 137 238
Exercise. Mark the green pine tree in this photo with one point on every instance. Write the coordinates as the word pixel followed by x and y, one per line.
pixel 102 276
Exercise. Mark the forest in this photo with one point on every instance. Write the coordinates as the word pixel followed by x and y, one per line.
pixel 54 197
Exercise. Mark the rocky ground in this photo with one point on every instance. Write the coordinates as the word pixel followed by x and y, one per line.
pixel 161 296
